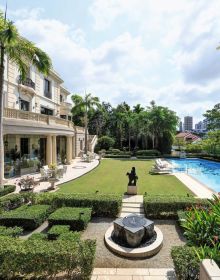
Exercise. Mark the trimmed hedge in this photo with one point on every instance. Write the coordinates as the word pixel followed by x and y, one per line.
pixel 102 205
pixel 10 231
pixel 148 153
pixel 76 218
pixel 41 259
pixel 13 201
pixel 38 236
pixel 57 230
pixel 7 189
pixel 117 156
pixel 27 217
pixel 186 262
pixel 160 207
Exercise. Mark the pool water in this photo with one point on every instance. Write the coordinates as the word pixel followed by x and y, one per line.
pixel 205 171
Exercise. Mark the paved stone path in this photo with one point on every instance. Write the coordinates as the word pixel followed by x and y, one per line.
pixel 40 229
pixel 195 186
pixel 133 204
pixel 74 170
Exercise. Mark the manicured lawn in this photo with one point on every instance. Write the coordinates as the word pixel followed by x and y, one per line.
pixel 109 177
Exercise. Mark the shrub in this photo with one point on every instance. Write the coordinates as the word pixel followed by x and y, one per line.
pixel 117 156
pixel 7 189
pixel 105 142
pixel 102 205
pixel 167 206
pixel 202 224
pixel 38 236
pixel 186 262
pixel 10 231
pixel 206 252
pixel 76 218
pixel 45 259
pixel 13 201
pixel 57 230
pixel 28 217
pixel 148 153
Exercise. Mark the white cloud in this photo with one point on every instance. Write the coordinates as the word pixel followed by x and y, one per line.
pixel 171 57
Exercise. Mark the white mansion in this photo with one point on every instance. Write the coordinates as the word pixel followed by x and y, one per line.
pixel 37 122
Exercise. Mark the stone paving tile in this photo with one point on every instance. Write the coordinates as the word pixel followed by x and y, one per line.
pixel 199 189
pixel 133 198
pixel 132 271
pixel 104 271
pixel 132 205
pixel 132 210
pixel 114 277
pixel 162 271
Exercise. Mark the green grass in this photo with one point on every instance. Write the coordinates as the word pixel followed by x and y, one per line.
pixel 109 177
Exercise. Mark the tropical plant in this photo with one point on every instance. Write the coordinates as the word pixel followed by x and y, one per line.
pixel 105 142
pixel 23 53
pixel 84 104
pixel 202 224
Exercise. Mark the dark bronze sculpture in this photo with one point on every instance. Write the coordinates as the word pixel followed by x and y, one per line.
pixel 132 177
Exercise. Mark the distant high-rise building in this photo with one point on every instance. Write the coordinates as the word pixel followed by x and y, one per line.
pixel 181 126
pixel 188 123
pixel 201 126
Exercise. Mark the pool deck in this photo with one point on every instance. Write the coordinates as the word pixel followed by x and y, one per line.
pixel 199 189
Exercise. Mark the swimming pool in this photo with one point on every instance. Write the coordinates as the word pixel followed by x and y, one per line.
pixel 205 171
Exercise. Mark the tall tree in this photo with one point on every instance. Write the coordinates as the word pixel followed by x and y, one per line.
pixel 85 104
pixel 23 53
pixel 213 117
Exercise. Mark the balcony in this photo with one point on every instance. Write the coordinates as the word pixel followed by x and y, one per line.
pixel 36 119
pixel 27 82
pixel 26 85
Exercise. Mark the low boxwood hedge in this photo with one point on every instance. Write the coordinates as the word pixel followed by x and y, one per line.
pixel 7 189
pixel 10 231
pixel 148 153
pixel 76 218
pixel 57 230
pixel 117 156
pixel 13 201
pixel 42 259
pixel 186 262
pixel 27 217
pixel 160 207
pixel 102 205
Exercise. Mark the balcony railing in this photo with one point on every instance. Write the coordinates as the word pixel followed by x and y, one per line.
pixel 26 82
pixel 66 105
pixel 40 118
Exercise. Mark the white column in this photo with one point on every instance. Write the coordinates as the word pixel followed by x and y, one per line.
pixel 54 154
pixel 49 150
pixel 69 149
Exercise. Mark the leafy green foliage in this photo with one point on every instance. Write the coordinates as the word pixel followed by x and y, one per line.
pixel 7 189
pixel 105 142
pixel 27 217
pixel 76 218
pixel 167 206
pixel 101 205
pixel 186 262
pixel 41 258
pixel 38 236
pixel 13 201
pixel 148 153
pixel 206 252
pixel 57 230
pixel 10 231
pixel 202 224
pixel 213 117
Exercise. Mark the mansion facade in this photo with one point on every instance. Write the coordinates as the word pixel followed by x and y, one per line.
pixel 37 123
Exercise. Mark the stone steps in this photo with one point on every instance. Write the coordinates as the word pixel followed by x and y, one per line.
pixel 124 214
pixel 132 210
pixel 135 205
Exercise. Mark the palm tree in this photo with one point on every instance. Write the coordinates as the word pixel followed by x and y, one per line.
pixel 23 53
pixel 85 104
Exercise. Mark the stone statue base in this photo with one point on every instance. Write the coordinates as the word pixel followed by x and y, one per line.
pixel 132 190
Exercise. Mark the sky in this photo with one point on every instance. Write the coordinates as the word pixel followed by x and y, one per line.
pixel 130 50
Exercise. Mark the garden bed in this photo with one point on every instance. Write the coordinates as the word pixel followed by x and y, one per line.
pixel 27 217
pixel 76 218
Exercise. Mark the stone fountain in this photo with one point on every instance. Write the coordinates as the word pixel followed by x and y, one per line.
pixel 132 230
pixel 134 236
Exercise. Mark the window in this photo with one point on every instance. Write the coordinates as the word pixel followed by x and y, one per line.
pixel 46 111
pixel 24 142
pixel 47 88
pixel 69 118
pixel 61 98
pixel 63 117
pixel 24 105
